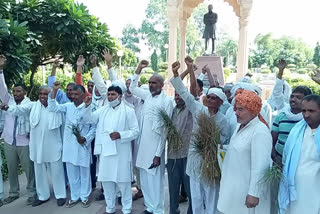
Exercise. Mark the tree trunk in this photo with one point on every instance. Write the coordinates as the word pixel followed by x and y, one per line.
pixel 33 71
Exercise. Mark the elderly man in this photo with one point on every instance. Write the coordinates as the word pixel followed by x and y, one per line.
pixel 204 196
pixel 150 158
pixel 246 160
pixel 299 190
pixel 177 160
pixel 77 144
pixel 16 137
pixel 117 126
pixel 45 146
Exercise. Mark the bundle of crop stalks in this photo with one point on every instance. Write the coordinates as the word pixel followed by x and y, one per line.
pixel 76 131
pixel 206 142
pixel 273 175
pixel 174 139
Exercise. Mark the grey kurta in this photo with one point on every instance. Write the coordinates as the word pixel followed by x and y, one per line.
pixel 195 107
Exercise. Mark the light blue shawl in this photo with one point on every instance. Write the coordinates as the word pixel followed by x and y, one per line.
pixel 292 150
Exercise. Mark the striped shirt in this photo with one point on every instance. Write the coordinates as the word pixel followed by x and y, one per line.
pixel 282 125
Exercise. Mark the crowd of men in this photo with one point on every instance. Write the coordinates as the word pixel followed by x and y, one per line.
pixel 112 133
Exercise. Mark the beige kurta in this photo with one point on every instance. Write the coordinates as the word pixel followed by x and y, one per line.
pixel 247 159
pixel 307 178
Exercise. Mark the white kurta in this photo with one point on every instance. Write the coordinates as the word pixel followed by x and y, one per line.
pixel 307 178
pixel 114 167
pixel 153 137
pixel 246 161
pixel 73 152
pixel 45 143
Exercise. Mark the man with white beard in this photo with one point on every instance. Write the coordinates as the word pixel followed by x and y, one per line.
pixel 150 158
pixel 45 146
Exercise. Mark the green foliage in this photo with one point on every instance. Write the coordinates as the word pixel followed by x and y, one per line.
pixel 269 50
pixel 227 49
pixel 163 67
pixel 130 38
pixel 294 82
pixel 13 36
pixel 227 72
pixel 316 55
pixel 154 61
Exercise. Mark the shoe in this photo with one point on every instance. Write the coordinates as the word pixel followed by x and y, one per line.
pixel 183 199
pixel 61 202
pixel 1 203
pixel 100 197
pixel 38 202
pixel 137 195
pixel 10 199
pixel 31 200
pixel 71 203
pixel 85 204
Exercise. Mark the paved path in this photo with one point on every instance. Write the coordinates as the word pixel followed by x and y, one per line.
pixel 97 207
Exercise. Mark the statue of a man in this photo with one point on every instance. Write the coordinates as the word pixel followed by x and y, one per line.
pixel 210 20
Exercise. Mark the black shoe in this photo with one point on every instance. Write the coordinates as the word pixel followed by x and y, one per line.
pixel 10 199
pixel 38 202
pixel 61 202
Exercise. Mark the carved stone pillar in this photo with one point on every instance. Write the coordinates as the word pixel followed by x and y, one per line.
pixel 173 26
pixel 183 32
pixel 243 49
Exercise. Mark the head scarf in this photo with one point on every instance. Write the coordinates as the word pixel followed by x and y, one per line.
pixel 218 92
pixel 251 101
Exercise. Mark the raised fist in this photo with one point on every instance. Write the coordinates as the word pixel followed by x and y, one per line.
pixel 81 61
pixel 56 86
pixel 175 67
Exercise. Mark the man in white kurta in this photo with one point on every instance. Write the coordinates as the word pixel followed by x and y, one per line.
pixel 150 158
pixel 299 191
pixel 115 157
pixel 77 156
pixel 248 156
pixel 45 146
pixel 204 196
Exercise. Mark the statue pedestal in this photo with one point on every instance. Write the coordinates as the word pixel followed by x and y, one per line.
pixel 214 63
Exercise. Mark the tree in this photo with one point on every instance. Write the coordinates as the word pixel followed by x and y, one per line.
pixel 316 55
pixel 269 50
pixel 154 61
pixel 130 38
pixel 13 37
pixel 156 15
pixel 60 28
pixel 227 49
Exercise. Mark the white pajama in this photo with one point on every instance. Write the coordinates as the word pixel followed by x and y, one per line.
pixel 57 178
pixel 153 189
pixel 110 194
pixel 79 181
pixel 204 197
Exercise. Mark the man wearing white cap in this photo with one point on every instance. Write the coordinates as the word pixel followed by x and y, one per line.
pixel 204 196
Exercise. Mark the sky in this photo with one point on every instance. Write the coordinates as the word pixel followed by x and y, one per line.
pixel 294 18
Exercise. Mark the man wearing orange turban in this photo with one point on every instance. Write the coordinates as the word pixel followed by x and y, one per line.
pixel 247 158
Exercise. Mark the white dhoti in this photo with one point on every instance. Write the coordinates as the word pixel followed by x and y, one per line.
pixel 57 178
pixel 204 197
pixel 110 194
pixel 153 189
pixel 80 181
